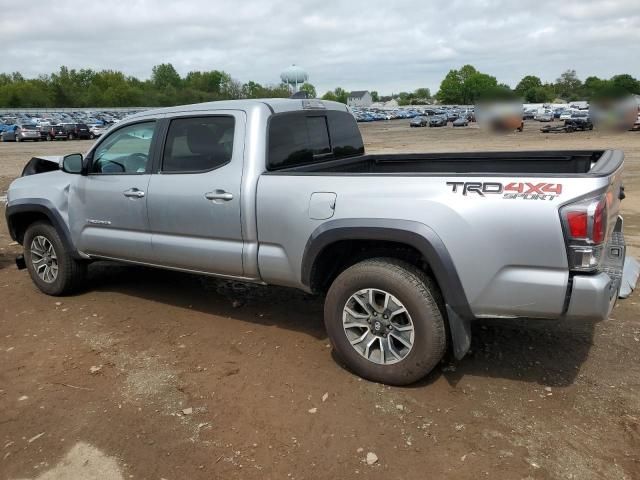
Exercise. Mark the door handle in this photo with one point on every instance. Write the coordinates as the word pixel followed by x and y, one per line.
pixel 133 193
pixel 219 195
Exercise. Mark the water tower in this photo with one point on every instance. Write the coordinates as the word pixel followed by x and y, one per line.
pixel 294 76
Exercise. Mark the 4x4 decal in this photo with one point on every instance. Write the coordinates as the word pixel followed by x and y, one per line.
pixel 512 190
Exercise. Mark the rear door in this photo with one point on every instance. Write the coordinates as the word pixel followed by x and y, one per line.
pixel 194 198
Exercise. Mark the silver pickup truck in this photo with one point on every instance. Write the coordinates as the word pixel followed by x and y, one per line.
pixel 408 248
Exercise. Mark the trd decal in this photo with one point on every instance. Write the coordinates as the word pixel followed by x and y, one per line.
pixel 510 191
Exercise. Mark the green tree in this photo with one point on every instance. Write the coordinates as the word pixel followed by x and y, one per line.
pixel 422 93
pixel 165 75
pixel 252 90
pixel 374 96
pixel 626 84
pixel 451 88
pixel 568 86
pixel 467 85
pixel 538 94
pixel 527 83
pixel 310 89
pixel 330 96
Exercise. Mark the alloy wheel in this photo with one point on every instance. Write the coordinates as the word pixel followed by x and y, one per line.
pixel 378 326
pixel 44 259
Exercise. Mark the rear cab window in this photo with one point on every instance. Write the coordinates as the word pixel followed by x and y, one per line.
pixel 305 137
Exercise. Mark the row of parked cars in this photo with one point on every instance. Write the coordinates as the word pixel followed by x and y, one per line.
pixel 76 125
pixel 549 115
pixel 64 131
pixel 458 118
pixel 451 114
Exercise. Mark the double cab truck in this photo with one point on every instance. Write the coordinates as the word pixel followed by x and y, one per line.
pixel 408 249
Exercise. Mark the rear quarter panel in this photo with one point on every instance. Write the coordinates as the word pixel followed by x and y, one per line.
pixel 509 252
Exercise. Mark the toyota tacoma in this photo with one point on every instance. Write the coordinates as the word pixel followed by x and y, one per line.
pixel 408 249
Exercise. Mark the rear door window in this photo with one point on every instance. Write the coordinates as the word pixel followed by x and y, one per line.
pixel 198 144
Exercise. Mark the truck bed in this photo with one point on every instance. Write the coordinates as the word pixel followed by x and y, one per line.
pixel 561 163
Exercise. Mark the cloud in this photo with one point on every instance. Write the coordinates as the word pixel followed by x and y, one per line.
pixel 361 44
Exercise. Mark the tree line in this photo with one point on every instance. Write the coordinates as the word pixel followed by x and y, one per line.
pixel 110 88
pixel 467 86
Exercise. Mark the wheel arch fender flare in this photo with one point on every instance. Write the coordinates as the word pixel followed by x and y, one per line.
pixel 414 234
pixel 20 207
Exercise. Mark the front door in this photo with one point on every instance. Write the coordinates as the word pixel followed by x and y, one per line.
pixel 194 199
pixel 108 207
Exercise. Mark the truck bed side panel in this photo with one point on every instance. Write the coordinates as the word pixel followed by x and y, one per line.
pixel 508 252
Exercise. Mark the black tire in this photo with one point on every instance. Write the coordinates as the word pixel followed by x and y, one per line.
pixel 419 295
pixel 92 136
pixel 71 273
pixel 72 136
pixel 17 138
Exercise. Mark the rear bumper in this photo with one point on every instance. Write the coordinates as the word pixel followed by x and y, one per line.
pixel 592 297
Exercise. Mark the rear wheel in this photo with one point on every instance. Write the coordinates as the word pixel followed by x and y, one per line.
pixel 384 322
pixel 17 138
pixel 72 136
pixel 50 265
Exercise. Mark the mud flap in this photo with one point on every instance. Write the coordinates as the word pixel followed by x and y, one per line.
pixel 20 263
pixel 630 273
pixel 460 333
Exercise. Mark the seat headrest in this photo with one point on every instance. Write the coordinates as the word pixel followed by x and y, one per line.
pixel 200 139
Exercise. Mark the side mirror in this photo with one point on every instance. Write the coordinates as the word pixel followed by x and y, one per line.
pixel 72 163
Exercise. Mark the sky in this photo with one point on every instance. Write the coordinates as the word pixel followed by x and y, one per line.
pixel 383 45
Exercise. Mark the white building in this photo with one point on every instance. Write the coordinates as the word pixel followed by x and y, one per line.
pixel 360 98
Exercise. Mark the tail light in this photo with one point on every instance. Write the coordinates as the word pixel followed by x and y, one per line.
pixel 585 227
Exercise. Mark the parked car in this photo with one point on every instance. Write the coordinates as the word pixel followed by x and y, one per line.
pixel 461 122
pixel 544 117
pixel 399 287
pixel 420 121
pixel 57 132
pixel 43 130
pixel 21 133
pixel 438 121
pixel 580 115
pixel 566 115
pixel 96 131
pixel 77 131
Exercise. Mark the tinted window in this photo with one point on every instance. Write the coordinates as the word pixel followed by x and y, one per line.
pixel 125 151
pixel 198 144
pixel 299 138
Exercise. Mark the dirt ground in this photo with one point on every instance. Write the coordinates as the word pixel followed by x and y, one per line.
pixel 151 374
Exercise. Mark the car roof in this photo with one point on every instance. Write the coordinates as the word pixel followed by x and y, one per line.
pixel 276 105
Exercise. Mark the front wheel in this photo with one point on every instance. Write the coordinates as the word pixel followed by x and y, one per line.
pixel 383 319
pixel 50 265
